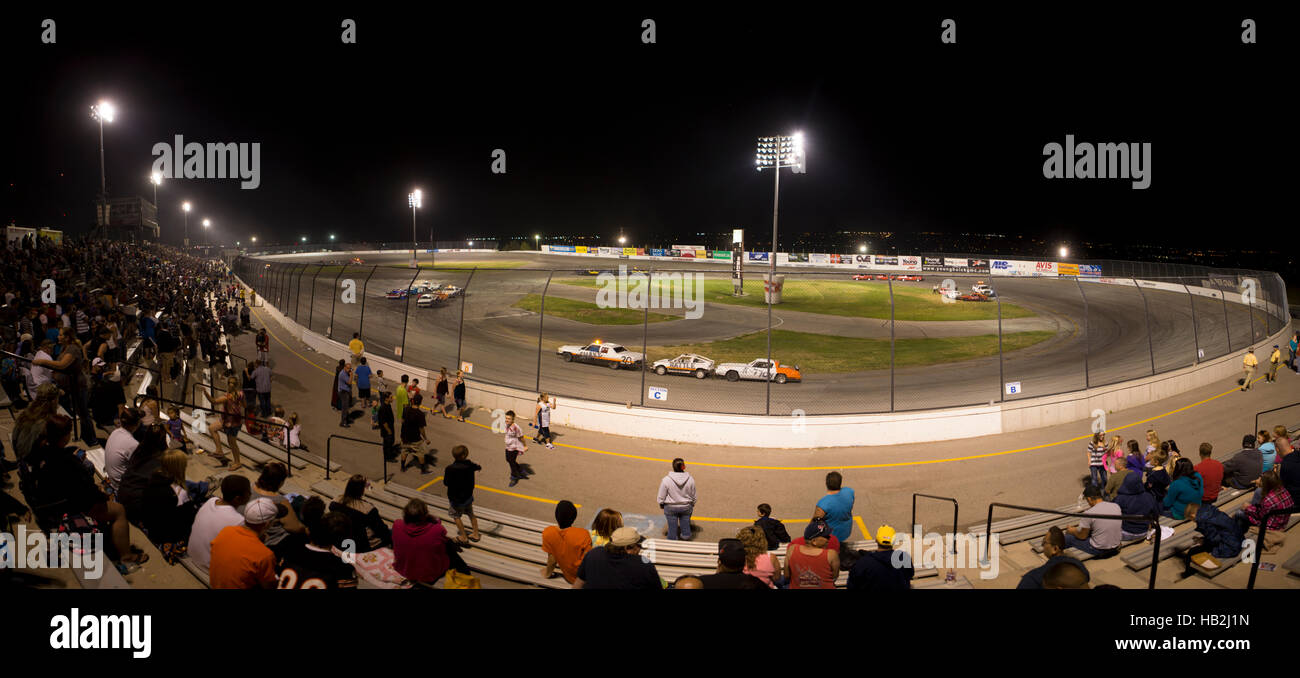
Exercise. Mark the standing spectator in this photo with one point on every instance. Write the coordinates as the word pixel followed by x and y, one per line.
pixel 400 397
pixel 564 544
pixel 263 346
pixel 515 446
pixel 758 562
pixel 459 480
pixel 232 412
pixel 1114 452
pixel 883 570
pixel 381 384
pixel 71 368
pixel 1187 488
pixel 344 386
pixel 1097 459
pixel 334 385
pixel 542 415
pixel 836 508
pixel 119 448
pixel 1100 537
pixel 1135 460
pixel 1211 472
pixel 217 514
pixel 239 558
pixel 677 499
pixel 357 347
pixel 619 565
pixel 772 528
pixel 420 546
pixel 1242 469
pixel 458 395
pixel 1274 360
pixel 366 529
pixel 1248 365
pixel 440 390
pixel 812 565
pixel 168 342
pixel 731 569
pixel 1293 346
pixel 262 382
pixel 362 372
pixel 386 424
pixel 1054 550
pixel 414 438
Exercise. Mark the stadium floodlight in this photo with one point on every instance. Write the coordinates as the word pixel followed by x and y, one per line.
pixel 775 152
pixel 206 224
pixel 254 238
pixel 862 249
pixel 1064 251
pixel 621 240
pixel 103 112
pixel 331 236
pixel 415 199
pixel 304 238
pixel 185 207
pixel 156 179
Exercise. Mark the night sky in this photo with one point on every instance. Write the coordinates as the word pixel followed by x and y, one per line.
pixel 603 133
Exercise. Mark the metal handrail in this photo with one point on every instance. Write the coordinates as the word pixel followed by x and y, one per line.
pixel 954 513
pixel 1275 409
pixel 330 441
pixel 288 453
pixel 1153 521
pixel 1259 543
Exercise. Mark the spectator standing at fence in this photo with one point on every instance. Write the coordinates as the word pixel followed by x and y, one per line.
pixel 357 347
pixel 1054 551
pixel 812 565
pixel 515 446
pixel 677 499
pixel 1292 347
pixel 836 508
pixel 458 395
pixel 263 346
pixel 344 386
pixel 564 544
pixel 440 390
pixel 334 388
pixel 239 558
pixel 1098 536
pixel 1212 473
pixel 1242 469
pixel 1248 366
pixel 362 372
pixel 459 480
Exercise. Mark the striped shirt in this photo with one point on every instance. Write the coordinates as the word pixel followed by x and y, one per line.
pixel 1096 455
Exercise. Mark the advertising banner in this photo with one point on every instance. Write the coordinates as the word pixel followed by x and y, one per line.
pixel 654 252
pixel 1089 270
pixel 720 254
pixel 640 251
pixel 1065 269
pixel 757 256
pixel 546 248
pixel 798 257
pixel 884 260
pixel 629 251
pixel 862 260
pixel 559 248
pixel 910 263
pixel 954 265
pixel 819 258
pixel 1045 268
pixel 580 249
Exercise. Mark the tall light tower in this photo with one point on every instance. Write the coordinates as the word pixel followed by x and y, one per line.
pixel 206 224
pixel 774 153
pixel 415 200
pixel 185 206
pixel 156 180
pixel 103 112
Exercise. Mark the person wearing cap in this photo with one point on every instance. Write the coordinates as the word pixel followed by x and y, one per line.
pixel 1274 361
pixel 1248 365
pixel 883 569
pixel 1054 550
pixel 811 565
pixel 564 544
pixel 239 558
pixel 1100 537
pixel 731 566
pixel 619 565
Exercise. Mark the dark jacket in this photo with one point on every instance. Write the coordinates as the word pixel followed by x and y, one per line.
pixel 1158 482
pixel 775 531
pixel 1243 468
pixel 876 571
pixel 59 483
pixel 1289 471
pixel 1033 579
pixel 368 529
pixel 162 518
pixel 1134 499
pixel 459 479
pixel 1220 533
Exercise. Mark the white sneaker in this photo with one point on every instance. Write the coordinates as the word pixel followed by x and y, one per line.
pixel 550 446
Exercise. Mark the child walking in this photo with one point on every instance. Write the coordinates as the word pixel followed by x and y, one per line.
pixel 515 446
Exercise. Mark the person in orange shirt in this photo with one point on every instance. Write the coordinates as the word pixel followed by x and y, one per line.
pixel 239 558
pixel 565 545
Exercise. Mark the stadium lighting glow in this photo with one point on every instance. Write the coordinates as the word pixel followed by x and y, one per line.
pixel 304 238
pixel 415 199
pixel 254 238
pixel 207 223
pixel 185 206
pixel 862 248
pixel 775 152
pixel 1065 252
pixel 104 110
pixel 331 236
pixel 155 178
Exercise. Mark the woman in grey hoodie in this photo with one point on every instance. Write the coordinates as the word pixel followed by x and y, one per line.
pixel 677 499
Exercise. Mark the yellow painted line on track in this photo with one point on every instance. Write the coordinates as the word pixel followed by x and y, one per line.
pixel 421 488
pixel 863 526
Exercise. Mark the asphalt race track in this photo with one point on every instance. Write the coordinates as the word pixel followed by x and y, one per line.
pixel 1110 337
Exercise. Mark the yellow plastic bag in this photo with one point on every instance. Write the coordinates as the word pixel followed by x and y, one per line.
pixel 458 580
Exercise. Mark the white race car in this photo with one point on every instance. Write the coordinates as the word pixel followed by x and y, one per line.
pixel 759 369
pixel 430 300
pixel 614 355
pixel 686 363
pixel 981 288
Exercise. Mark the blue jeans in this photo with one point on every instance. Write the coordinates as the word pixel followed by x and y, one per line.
pixel 679 518
pixel 1098 476
pixel 1084 545
pixel 264 401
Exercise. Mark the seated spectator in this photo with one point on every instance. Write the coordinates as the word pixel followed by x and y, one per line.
pixel 564 544
pixel 29 425
pixel 285 531
pixel 170 503
pixel 217 514
pixel 315 565
pixel 176 429
pixel 1100 537
pixel 772 528
pixel 813 564
pixel 1157 474
pixel 884 569
pixel 369 532
pixel 239 558
pixel 758 562
pixel 603 526
pixel 1116 479
pixel 619 565
pixel 1267 450
pixel 1065 576
pixel 1135 460
pixel 1054 550
pixel 420 544
pixel 687 581
pixel 1281 443
pixel 62 480
pixel 731 565
pixel 119 448
pixel 1211 472
pixel 1134 500
pixel 1243 468
pixel 1272 496
pixel 1289 474
pixel 1187 488
pixel 146 459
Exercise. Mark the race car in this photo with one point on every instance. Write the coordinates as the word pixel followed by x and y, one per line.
pixel 981 288
pixel 451 291
pixel 759 369
pixel 358 261
pixel 396 294
pixel 590 271
pixel 907 277
pixel 686 363
pixel 638 269
pixel 973 296
pixel 598 353
pixel 864 276
pixel 428 300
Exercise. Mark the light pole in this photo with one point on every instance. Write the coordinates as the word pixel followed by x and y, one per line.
pixel 774 153
pixel 156 179
pixel 206 224
pixel 186 207
pixel 103 112
pixel 415 199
